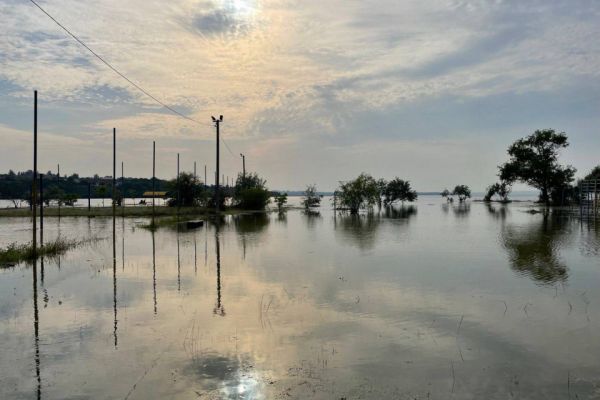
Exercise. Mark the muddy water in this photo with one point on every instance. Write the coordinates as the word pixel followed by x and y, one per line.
pixel 424 301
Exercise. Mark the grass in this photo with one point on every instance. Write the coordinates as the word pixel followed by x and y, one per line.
pixel 15 253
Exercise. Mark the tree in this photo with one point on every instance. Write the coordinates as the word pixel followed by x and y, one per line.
pixel 534 161
pixel 189 189
pixel 462 191
pixel 361 192
pixel 398 189
pixel 70 199
pixel 311 197
pixel 101 192
pixel 54 193
pixel 281 200
pixel 447 195
pixel 250 192
pixel 594 173
pixel 381 186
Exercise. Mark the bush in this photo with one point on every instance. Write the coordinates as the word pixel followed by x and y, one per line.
pixel 251 192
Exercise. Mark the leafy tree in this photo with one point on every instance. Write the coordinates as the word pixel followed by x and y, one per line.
pixel 462 191
pixel 54 193
pixel 361 192
pixel 70 199
pixel 398 189
pixel 190 189
pixel 594 173
pixel 251 192
pixel 381 186
pixel 311 197
pixel 447 195
pixel 281 200
pixel 101 192
pixel 534 161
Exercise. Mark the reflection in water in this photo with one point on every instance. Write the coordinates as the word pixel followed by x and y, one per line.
pixel 534 250
pixel 178 262
pixel 312 217
pixel 251 223
pixel 360 229
pixel 154 272
pixel 498 212
pixel 406 212
pixel 219 309
pixel 462 210
pixel 114 245
pixel 36 332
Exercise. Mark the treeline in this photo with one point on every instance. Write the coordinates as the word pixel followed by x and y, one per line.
pixel 18 185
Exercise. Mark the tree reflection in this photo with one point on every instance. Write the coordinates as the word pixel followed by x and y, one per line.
pixel 534 250
pixel 359 229
pixel 462 210
pixel 402 212
pixel 219 309
pixel 498 212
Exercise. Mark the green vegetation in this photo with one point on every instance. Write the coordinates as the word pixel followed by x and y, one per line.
pixel 446 194
pixel 15 253
pixel 534 161
pixel 463 192
pixel 502 189
pixel 362 192
pixel 250 192
pixel 399 190
pixel 311 197
pixel 281 201
pixel 594 173
pixel 187 191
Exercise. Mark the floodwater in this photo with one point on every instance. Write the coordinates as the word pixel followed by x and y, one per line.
pixel 430 301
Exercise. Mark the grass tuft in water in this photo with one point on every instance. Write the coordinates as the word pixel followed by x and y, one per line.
pixel 16 253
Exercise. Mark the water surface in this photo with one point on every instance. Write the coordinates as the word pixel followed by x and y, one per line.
pixel 424 301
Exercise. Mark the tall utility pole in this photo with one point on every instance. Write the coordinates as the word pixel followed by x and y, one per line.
pixel 194 169
pixel 123 187
pixel 243 165
pixel 58 186
pixel 178 190
pixel 217 124
pixel 205 183
pixel 153 177
pixel 42 210
pixel 34 182
pixel 114 177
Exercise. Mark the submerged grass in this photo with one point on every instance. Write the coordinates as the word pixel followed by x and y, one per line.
pixel 138 211
pixel 16 253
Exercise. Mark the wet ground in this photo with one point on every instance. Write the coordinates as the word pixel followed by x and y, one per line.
pixel 421 302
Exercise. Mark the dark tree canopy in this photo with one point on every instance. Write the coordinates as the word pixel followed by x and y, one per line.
pixel 311 197
pixel 534 161
pixel 399 190
pixel 189 189
pixel 462 191
pixel 251 192
pixel 359 193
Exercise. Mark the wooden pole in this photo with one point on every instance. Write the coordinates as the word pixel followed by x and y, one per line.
pixel 123 187
pixel 178 190
pixel 58 186
pixel 34 182
pixel 217 205
pixel 89 196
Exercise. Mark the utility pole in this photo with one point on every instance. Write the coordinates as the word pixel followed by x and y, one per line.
pixel 42 210
pixel 58 186
pixel 34 183
pixel 194 170
pixel 114 177
pixel 217 125
pixel 123 187
pixel 178 189
pixel 153 177
pixel 243 165
pixel 205 183
pixel 89 196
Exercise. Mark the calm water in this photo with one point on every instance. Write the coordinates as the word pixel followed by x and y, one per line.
pixel 429 301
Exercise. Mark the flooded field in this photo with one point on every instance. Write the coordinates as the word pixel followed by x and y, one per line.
pixel 425 301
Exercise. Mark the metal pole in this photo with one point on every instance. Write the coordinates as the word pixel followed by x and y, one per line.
pixel 58 186
pixel 153 176
pixel 89 196
pixel 217 202
pixel 205 183
pixel 243 165
pixel 123 187
pixel 114 177
pixel 178 190
pixel 34 183
pixel 41 209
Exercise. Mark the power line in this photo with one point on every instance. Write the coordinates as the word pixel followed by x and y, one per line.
pixel 138 87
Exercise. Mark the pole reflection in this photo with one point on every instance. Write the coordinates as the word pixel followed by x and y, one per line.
pixel 219 309
pixel 114 280
pixel 154 272
pixel 36 333
pixel 178 263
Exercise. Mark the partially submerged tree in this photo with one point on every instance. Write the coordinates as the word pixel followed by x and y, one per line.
pixel 534 161
pixel 501 189
pixel 189 189
pixel 281 201
pixel 101 192
pixel 462 191
pixel 399 190
pixel 381 186
pixel 362 192
pixel 311 197
pixel 446 195
pixel 251 192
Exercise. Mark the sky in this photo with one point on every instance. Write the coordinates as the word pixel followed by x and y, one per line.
pixel 312 92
